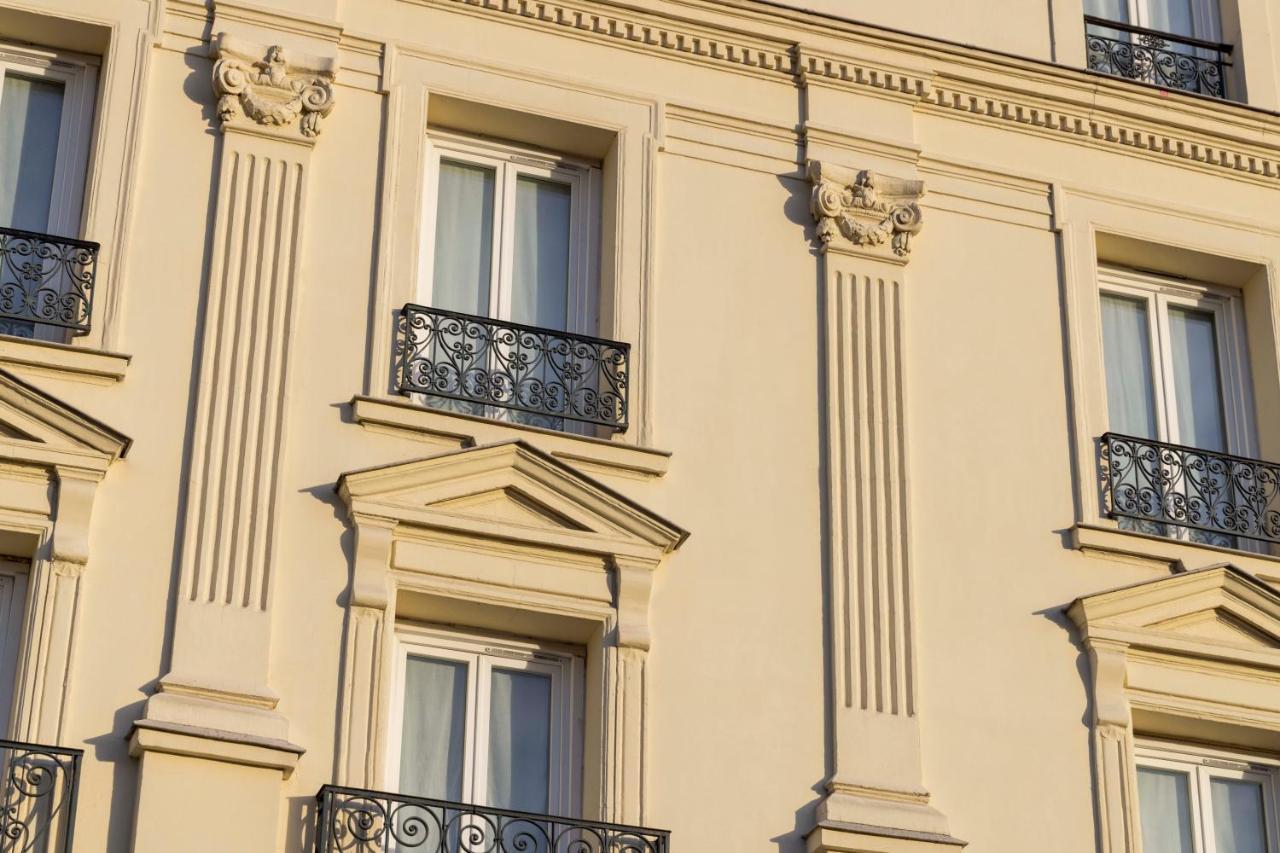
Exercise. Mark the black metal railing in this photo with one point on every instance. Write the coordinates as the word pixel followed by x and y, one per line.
pixel 40 785
pixel 487 362
pixel 1162 59
pixel 45 280
pixel 1154 482
pixel 354 819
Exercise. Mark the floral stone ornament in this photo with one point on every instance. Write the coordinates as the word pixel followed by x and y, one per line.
pixel 866 208
pixel 276 90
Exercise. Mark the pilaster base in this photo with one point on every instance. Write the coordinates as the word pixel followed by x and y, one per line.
pixel 862 818
pixel 203 755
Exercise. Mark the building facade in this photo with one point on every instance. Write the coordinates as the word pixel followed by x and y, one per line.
pixel 565 425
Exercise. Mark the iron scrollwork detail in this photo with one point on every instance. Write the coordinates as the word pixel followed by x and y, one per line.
pixel 546 375
pixel 1158 483
pixel 866 208
pixel 1162 59
pixel 38 798
pixel 45 280
pixel 355 820
pixel 276 90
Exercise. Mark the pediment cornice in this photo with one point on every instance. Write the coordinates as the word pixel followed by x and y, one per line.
pixel 37 428
pixel 1218 611
pixel 510 491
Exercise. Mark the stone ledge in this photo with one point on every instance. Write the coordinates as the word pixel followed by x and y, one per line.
pixel 213 744
pixel 837 837
pixel 62 361
pixel 1113 541
pixel 457 431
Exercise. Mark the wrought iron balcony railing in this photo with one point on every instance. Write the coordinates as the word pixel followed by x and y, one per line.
pixel 353 820
pixel 489 362
pixel 46 280
pixel 1162 59
pixel 1159 483
pixel 40 785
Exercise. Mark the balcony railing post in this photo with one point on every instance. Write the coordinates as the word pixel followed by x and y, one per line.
pixel 1161 59
pixel 482 362
pixel 45 280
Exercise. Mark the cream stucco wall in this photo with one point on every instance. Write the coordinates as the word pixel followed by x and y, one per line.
pixel 720 284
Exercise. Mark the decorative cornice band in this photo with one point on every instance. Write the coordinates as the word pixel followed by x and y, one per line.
pixel 708 44
pixel 873 212
pixel 277 90
pixel 931 89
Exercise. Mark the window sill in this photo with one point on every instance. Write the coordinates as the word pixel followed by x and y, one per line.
pixel 1141 546
pixel 62 361
pixel 456 431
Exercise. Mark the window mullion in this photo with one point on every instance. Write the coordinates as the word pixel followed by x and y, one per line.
pixel 506 227
pixel 1202 812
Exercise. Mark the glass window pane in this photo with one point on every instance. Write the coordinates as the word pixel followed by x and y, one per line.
pixel 1170 16
pixel 1126 342
pixel 30 118
pixel 431 744
pixel 1112 10
pixel 1164 801
pixel 1194 347
pixel 1237 816
pixel 540 281
pixel 464 238
pixel 519 740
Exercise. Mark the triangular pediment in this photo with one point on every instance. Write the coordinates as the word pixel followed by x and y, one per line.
pixel 1219 605
pixel 40 429
pixel 510 489
pixel 508 505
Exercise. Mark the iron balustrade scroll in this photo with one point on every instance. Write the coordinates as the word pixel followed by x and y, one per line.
pixel 1162 59
pixel 40 787
pixel 1162 483
pixel 488 362
pixel 45 280
pixel 355 820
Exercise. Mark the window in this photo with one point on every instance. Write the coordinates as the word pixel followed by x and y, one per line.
pixel 13 598
pixel 488 722
pixel 1196 801
pixel 1176 367
pixel 46 118
pixel 510 234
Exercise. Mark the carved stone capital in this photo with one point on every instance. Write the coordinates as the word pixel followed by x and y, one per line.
pixel 271 87
pixel 872 211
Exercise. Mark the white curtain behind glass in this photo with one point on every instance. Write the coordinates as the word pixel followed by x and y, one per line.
pixel 540 277
pixel 1193 346
pixel 1238 816
pixel 431 744
pixel 30 118
pixel 519 741
pixel 464 238
pixel 1126 343
pixel 1164 802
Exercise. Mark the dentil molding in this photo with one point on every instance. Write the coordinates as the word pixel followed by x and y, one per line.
pixel 271 87
pixel 870 210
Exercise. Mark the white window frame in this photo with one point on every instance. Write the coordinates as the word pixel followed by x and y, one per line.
pixel 1202 765
pixel 79 76
pixel 483 653
pixel 1226 306
pixel 510 162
